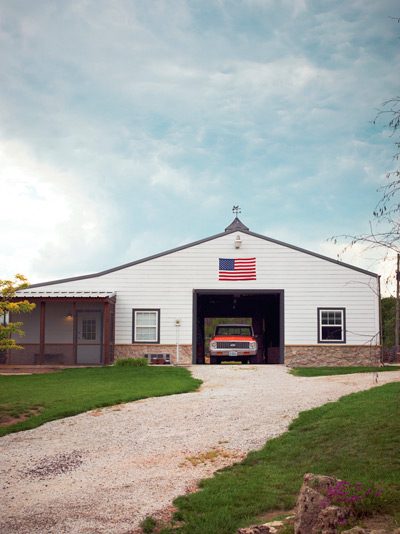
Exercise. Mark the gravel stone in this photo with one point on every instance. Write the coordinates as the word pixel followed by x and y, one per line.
pixel 104 471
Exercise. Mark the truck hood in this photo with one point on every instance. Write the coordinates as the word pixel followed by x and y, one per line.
pixel 233 338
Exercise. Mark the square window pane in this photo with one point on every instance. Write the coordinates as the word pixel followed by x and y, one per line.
pixel 338 318
pixel 333 333
pixel 146 318
pixel 146 333
pixel 89 329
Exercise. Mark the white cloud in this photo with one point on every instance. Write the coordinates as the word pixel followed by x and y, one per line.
pixel 122 112
pixel 47 217
pixel 31 207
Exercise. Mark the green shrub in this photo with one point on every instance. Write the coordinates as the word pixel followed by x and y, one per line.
pixel 131 362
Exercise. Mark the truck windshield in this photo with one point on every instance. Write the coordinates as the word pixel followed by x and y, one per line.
pixel 233 330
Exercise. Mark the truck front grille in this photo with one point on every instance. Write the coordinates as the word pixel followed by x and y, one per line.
pixel 232 344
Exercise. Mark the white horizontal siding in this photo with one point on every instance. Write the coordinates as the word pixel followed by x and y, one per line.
pixel 309 282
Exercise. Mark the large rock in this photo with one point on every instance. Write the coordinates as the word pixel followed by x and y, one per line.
pixel 312 513
pixel 257 529
pixel 329 518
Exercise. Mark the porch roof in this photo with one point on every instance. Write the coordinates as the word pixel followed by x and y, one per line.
pixel 34 293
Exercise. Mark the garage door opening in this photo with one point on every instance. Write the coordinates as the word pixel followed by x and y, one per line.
pixel 262 309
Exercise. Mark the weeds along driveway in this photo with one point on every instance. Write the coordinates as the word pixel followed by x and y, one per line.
pixel 104 471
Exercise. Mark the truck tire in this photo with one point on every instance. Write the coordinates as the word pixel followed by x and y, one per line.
pixel 213 360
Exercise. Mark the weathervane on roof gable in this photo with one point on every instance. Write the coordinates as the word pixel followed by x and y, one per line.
pixel 236 210
pixel 236 224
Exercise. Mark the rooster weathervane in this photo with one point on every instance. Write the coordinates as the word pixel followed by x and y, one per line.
pixel 236 210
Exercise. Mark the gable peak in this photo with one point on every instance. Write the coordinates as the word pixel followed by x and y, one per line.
pixel 235 225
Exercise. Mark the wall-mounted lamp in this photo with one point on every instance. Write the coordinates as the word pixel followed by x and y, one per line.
pixel 237 242
pixel 69 315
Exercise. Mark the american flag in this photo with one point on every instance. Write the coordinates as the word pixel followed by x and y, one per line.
pixel 237 269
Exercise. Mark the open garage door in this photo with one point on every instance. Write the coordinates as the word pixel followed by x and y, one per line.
pixel 264 308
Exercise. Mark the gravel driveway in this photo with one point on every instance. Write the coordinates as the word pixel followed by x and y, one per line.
pixel 104 471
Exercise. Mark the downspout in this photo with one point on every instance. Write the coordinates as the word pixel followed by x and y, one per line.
pixel 380 319
pixel 396 341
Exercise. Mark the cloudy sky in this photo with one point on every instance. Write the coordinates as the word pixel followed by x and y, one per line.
pixel 129 127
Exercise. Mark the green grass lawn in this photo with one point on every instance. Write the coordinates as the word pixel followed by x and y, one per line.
pixel 327 371
pixel 356 439
pixel 73 391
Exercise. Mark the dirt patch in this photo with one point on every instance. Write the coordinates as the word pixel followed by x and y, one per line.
pixel 7 420
pixel 271 516
pixel 26 370
pixel 50 466
pixel 165 517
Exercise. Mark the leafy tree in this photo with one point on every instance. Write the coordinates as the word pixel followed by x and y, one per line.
pixel 8 289
pixel 388 307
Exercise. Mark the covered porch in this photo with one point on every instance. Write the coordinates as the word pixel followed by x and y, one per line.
pixel 66 328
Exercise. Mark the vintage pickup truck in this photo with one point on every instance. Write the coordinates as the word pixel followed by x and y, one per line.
pixel 233 342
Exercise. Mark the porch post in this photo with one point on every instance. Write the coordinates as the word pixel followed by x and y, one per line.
pixel 42 331
pixel 106 345
pixel 74 331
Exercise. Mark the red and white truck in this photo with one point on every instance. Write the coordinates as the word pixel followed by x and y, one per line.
pixel 233 342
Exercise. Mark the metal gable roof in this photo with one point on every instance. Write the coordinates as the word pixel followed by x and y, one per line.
pixel 235 226
pixel 65 294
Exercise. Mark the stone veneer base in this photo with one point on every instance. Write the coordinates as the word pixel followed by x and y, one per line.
pixel 295 355
pixel 332 355
pixel 139 350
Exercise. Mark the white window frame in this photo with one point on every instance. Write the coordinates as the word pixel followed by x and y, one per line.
pixel 135 326
pixel 342 325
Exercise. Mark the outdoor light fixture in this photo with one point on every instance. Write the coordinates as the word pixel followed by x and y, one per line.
pixel 237 242
pixel 69 315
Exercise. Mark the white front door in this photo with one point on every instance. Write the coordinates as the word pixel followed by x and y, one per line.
pixel 89 337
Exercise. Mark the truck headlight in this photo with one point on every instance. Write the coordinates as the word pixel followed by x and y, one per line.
pixel 253 345
pixel 213 345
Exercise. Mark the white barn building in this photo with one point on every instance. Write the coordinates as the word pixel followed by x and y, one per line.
pixel 306 309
